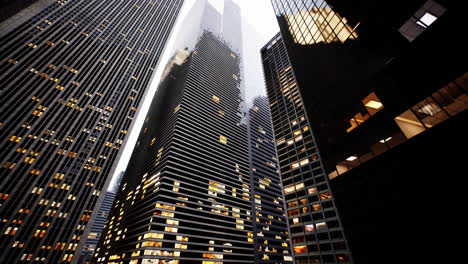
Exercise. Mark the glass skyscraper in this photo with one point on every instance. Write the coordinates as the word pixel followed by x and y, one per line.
pixel 186 196
pixel 97 227
pixel 315 226
pixel 271 230
pixel 72 78
pixel 384 87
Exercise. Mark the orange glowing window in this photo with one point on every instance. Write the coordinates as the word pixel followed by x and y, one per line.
pixel 300 249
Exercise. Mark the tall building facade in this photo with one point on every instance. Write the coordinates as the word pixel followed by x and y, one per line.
pixel 383 83
pixel 97 227
pixel 9 8
pixel 73 77
pixel 373 64
pixel 186 195
pixel 271 230
pixel 315 226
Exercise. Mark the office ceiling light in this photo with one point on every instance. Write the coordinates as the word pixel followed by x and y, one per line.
pixel 351 158
pixel 374 104
pixel 426 20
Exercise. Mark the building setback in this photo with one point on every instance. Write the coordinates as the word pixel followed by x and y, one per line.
pixel 385 87
pixel 73 77
pixel 186 196
pixel 271 229
pixel 315 226
pixel 97 227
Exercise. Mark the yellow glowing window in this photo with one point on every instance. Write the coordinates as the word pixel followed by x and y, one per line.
pixel 15 139
pixel 223 139
pixel 295 165
pixel 153 235
pixel 216 99
pixel 304 162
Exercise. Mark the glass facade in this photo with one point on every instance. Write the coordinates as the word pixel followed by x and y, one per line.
pixel 73 77
pixel 316 231
pixel 97 227
pixel 314 21
pixel 271 229
pixel 186 197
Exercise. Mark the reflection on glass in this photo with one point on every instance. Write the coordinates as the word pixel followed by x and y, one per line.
pixel 409 124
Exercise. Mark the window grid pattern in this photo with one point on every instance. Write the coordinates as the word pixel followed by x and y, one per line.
pixel 316 230
pixel 186 196
pixel 313 21
pixel 271 229
pixel 72 80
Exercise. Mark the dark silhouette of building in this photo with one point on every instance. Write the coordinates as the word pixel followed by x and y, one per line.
pixel 271 229
pixel 384 84
pixel 315 226
pixel 72 78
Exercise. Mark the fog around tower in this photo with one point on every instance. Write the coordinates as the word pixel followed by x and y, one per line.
pixel 259 25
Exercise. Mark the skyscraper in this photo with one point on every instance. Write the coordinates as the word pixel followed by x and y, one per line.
pixel 9 8
pixel 97 227
pixel 271 229
pixel 384 85
pixel 315 226
pixel 73 77
pixel 186 196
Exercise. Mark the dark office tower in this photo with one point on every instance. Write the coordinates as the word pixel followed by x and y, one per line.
pixel 97 228
pixel 270 226
pixel 387 104
pixel 72 78
pixel 9 8
pixel 185 197
pixel 315 227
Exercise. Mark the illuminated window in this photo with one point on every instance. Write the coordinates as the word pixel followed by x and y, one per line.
pixel 223 139
pixel 295 165
pixel 372 104
pixel 309 228
pixel 280 141
pixel 321 226
pixel 316 207
pixel 293 188
pixel 15 139
pixel 216 99
pixel 300 249
pixel 325 195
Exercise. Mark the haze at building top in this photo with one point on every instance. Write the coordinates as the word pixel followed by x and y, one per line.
pixel 259 25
